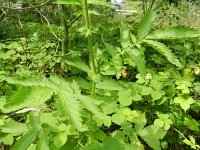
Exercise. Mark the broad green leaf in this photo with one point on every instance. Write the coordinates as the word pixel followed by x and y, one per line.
pixel 13 127
pixel 191 123
pixel 157 94
pixel 145 24
pixel 71 107
pixel 138 58
pixel 43 143
pixel 78 63
pixel 190 142
pixel 27 97
pixel 34 121
pixel 118 118
pixel 107 121
pixel 111 85
pixel 140 122
pixel 25 141
pixel 89 105
pixel 184 102
pixel 124 35
pixel 125 97
pixel 173 33
pixel 6 139
pixel 164 50
pixel 111 49
pixel 146 90
pixel 159 123
pixel 60 139
pixel 151 135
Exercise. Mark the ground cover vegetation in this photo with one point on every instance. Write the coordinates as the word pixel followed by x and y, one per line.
pixel 76 75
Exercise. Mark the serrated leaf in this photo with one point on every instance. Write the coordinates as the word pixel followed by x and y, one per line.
pixel 71 107
pixel 43 143
pixel 125 97
pixel 173 33
pixel 118 118
pixel 60 139
pixel 159 123
pixel 124 35
pixel 27 97
pixel 146 90
pixel 140 122
pixel 6 139
pixel 164 50
pixel 25 141
pixel 184 102
pixel 151 135
pixel 138 58
pixel 111 85
pixel 34 120
pixel 89 104
pixel 145 24
pixel 191 123
pixel 13 127
pixel 78 63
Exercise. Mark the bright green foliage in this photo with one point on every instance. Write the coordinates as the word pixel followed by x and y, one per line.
pixel 184 102
pixel 151 135
pixel 145 24
pixel 106 81
pixel 173 33
pixel 27 97
pixel 25 141
pixel 165 51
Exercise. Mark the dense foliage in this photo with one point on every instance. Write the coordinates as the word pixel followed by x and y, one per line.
pixel 76 75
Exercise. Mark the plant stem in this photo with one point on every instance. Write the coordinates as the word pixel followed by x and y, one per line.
pixel 92 58
pixel 65 33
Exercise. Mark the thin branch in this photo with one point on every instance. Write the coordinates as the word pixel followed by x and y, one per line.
pixel 45 18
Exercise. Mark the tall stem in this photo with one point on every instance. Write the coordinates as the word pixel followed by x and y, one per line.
pixel 92 58
pixel 65 33
pixel 90 42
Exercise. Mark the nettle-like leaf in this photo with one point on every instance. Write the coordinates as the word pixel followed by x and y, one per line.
pixel 71 106
pixel 89 104
pixel 173 33
pixel 78 63
pixel 14 128
pixel 27 97
pixel 124 35
pixel 151 135
pixel 139 59
pixel 29 81
pixel 145 24
pixel 25 141
pixel 164 50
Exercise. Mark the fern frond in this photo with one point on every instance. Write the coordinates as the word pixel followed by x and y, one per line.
pixel 71 107
pixel 27 97
pixel 164 50
pixel 145 24
pixel 173 33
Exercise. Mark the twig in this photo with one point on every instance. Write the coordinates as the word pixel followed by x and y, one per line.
pixel 45 18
